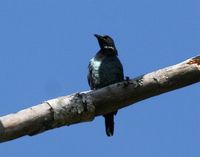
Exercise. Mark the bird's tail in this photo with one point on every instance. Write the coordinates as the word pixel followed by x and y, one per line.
pixel 109 124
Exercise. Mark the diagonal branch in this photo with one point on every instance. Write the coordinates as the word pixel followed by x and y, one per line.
pixel 84 106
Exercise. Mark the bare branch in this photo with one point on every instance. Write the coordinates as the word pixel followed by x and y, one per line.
pixel 84 106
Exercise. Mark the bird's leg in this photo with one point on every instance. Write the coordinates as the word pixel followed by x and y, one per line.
pixel 127 81
pixel 127 78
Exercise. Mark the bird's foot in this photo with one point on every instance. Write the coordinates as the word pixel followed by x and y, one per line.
pixel 126 82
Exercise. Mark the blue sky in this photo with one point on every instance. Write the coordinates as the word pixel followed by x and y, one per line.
pixel 45 47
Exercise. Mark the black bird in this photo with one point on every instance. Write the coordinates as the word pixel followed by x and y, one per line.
pixel 104 69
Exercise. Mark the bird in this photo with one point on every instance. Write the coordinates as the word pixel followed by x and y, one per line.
pixel 105 69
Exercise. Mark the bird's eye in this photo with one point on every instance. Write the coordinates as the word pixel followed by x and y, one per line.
pixel 106 37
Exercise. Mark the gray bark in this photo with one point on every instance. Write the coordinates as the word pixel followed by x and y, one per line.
pixel 84 106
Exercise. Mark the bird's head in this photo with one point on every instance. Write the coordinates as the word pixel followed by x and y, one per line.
pixel 106 44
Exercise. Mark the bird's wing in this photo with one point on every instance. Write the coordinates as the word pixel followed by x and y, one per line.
pixel 89 76
pixel 118 68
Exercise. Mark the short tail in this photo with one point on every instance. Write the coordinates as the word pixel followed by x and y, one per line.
pixel 109 124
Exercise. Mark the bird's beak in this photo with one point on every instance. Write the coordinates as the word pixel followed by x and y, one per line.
pixel 98 36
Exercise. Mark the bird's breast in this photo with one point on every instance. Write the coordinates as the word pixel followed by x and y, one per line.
pixel 106 71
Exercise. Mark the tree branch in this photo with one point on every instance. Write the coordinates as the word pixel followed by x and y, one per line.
pixel 84 106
